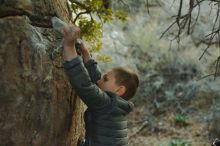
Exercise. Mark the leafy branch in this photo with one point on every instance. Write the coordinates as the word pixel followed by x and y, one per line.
pixel 90 15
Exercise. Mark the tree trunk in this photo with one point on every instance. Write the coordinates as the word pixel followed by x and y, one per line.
pixel 37 104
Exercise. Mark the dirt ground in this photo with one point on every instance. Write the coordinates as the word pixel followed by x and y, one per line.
pixel 161 130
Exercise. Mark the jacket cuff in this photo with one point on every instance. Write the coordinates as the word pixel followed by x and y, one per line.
pixel 72 63
pixel 90 62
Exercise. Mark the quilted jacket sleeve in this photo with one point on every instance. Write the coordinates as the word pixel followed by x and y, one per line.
pixel 85 88
pixel 93 70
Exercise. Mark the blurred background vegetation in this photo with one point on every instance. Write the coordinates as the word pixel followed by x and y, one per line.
pixel 178 103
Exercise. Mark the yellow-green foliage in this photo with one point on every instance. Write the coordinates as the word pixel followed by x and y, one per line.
pixel 90 15
pixel 121 15
pixel 103 58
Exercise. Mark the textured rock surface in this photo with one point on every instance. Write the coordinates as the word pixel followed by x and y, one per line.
pixel 37 104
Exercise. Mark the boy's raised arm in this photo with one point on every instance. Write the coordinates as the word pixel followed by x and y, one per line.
pixel 79 78
pixel 90 64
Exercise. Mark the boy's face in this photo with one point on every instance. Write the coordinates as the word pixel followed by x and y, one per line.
pixel 108 83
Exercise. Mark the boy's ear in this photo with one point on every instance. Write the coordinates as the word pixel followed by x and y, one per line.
pixel 121 90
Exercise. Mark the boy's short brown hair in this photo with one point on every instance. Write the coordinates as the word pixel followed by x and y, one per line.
pixel 127 78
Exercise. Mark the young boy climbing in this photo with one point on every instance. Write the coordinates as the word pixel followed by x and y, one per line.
pixel 106 96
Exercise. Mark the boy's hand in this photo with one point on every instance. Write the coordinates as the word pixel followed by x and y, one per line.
pixel 85 52
pixel 70 34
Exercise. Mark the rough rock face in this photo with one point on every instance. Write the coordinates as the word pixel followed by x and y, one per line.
pixel 37 104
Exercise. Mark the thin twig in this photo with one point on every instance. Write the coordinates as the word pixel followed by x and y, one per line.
pixel 143 125
pixel 191 4
pixel 217 67
pixel 206 76
pixel 148 11
pixel 213 34
pixel 79 14
pixel 179 14
pixel 167 29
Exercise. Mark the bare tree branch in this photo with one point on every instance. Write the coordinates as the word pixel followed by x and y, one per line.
pixel 213 33
pixel 217 67
pixel 148 6
pixel 79 14
pixel 167 29
pixel 191 4
pixel 188 23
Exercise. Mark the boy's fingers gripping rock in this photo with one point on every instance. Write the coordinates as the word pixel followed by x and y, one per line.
pixel 70 35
